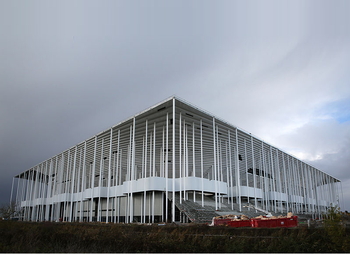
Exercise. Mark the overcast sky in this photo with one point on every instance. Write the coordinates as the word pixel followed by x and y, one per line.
pixel 277 69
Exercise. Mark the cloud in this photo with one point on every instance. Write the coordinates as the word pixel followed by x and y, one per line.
pixel 276 69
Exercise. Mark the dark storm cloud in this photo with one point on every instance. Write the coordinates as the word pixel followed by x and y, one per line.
pixel 71 69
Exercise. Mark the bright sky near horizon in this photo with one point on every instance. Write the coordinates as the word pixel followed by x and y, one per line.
pixel 277 69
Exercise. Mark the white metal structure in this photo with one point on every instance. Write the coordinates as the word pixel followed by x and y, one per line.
pixel 132 171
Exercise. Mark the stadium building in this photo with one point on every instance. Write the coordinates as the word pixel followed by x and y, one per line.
pixel 171 162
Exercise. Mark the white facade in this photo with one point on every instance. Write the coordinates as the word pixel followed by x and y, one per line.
pixel 132 172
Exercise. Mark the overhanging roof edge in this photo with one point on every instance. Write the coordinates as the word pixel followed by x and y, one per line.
pixel 190 105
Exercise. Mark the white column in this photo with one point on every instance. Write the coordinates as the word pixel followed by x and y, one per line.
pixel 30 193
pixel 92 179
pixel 35 196
pixel 77 186
pixel 146 136
pixel 219 165
pixel 193 156
pixel 162 155
pixel 185 159
pixel 132 171
pixel 279 179
pixel 273 181
pixel 117 175
pixel 167 167
pixel 145 174
pixel 202 173
pixel 66 185
pixel 231 169
pixel 109 173
pixel 173 160
pixel 152 206
pixel 18 196
pixel 44 191
pixel 246 164
pixel 227 172
pixel 37 190
pixel 100 181
pixel 150 154
pixel 72 184
pixel 13 180
pixel 285 182
pixel 55 176
pixel 180 158
pixel 265 189
pixel 238 178
pixel 308 188
pixel 254 170
pixel 83 185
pixel 215 178
pixel 154 149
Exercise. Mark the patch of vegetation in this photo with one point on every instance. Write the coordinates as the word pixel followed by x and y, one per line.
pixel 8 210
pixel 336 229
pixel 96 237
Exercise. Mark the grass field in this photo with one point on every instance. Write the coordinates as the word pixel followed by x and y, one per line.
pixel 90 237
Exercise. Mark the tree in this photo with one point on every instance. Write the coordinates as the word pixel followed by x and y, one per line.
pixel 335 228
pixel 7 211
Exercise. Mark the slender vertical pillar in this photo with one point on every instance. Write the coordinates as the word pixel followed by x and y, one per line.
pixel 77 186
pixel 146 136
pixel 254 169
pixel 185 159
pixel 167 168
pixel 150 153
pixel 173 160
pixel 231 169
pixel 132 171
pixel 238 178
pixel 109 174
pixel 145 166
pixel 152 206
pixel 83 185
pixel 67 179
pixel 154 149
pixel 227 172
pixel 202 173
pixel 54 192
pixel 180 157
pixel 219 165
pixel 264 168
pixel 215 152
pixel 246 165
pixel 92 179
pixel 286 183
pixel 193 158
pixel 13 180
pixel 273 182
pixel 117 175
pixel 279 180
pixel 102 161
pixel 162 155
pixel 72 180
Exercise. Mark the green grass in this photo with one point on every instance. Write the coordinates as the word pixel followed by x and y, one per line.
pixel 85 237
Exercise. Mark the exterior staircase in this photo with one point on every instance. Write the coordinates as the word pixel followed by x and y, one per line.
pixel 199 214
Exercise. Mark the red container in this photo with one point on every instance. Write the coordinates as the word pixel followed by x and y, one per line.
pixel 221 222
pixel 274 223
pixel 239 224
